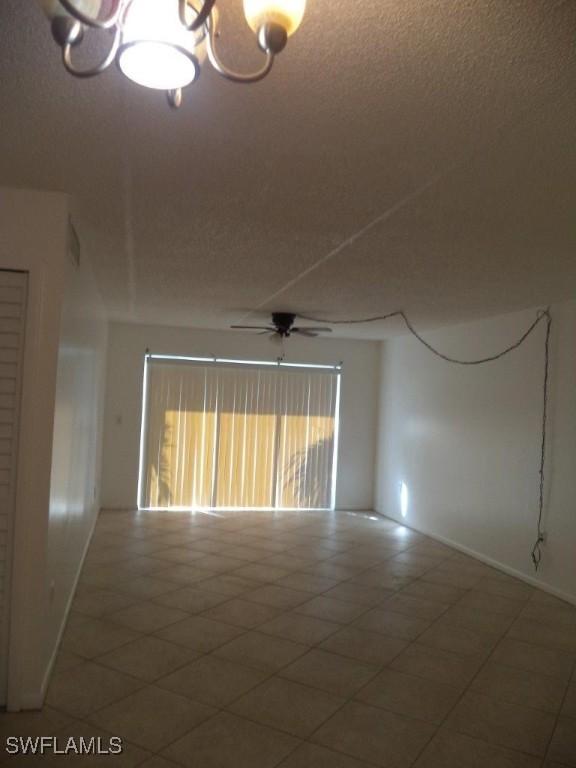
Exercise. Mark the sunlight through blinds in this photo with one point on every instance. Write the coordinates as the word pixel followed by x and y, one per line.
pixel 237 436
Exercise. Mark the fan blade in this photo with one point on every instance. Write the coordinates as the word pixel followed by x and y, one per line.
pixel 304 332
pixel 252 328
pixel 312 329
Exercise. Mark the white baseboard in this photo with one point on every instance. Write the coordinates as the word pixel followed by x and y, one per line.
pixel 29 702
pixel 534 582
pixel 39 698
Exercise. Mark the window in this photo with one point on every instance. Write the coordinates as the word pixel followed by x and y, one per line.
pixel 227 435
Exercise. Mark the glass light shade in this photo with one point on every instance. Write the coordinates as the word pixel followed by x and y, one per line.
pixel 156 50
pixel 286 13
pixel 53 8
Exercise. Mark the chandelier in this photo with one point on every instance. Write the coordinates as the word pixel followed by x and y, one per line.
pixel 161 44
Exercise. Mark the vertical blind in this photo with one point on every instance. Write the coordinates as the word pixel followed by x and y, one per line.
pixel 237 436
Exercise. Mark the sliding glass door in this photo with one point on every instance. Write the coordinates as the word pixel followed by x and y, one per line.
pixel 230 435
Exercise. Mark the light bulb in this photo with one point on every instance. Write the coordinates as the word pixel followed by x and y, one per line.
pixel 157 51
pixel 286 13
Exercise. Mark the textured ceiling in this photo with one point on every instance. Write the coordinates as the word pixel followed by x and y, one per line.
pixel 415 154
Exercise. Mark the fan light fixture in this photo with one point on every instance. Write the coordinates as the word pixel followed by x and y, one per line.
pixel 162 43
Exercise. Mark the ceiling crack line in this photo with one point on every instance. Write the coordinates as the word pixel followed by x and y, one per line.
pixel 380 219
pixel 389 213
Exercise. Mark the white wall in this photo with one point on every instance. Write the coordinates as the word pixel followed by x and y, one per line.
pixel 466 442
pixel 63 358
pixel 33 238
pixel 127 346
pixel 76 451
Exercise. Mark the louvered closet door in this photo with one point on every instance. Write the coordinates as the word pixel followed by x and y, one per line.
pixel 12 322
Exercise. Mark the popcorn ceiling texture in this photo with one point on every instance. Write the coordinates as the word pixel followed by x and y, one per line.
pixel 457 118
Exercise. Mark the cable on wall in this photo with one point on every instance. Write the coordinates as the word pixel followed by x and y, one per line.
pixel 537 549
pixel 543 315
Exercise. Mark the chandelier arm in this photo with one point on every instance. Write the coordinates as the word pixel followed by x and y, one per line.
pixel 90 21
pixel 99 68
pixel 222 69
pixel 202 15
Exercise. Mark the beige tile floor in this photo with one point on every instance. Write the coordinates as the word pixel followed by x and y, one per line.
pixel 306 640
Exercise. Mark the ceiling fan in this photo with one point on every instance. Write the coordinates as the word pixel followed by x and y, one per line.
pixel 283 326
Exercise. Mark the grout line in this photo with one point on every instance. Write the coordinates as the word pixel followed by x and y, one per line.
pixel 414 575
pixel 559 713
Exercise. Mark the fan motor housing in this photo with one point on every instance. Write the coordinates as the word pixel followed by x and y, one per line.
pixel 283 322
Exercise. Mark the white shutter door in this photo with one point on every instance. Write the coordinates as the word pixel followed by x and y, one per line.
pixel 12 324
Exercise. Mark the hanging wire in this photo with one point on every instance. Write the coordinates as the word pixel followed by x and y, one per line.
pixel 537 549
pixel 542 315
